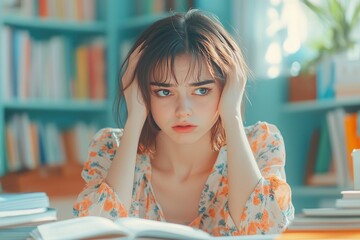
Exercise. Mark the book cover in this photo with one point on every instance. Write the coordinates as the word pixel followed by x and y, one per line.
pixel 314 142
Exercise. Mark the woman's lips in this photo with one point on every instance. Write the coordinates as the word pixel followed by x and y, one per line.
pixel 184 129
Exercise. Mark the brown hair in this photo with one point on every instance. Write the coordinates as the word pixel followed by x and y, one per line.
pixel 195 33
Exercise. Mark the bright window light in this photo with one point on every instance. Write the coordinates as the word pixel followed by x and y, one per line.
pixel 273 54
pixel 273 71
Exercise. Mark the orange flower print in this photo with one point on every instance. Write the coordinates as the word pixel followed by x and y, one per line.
pixel 252 228
pixel 224 190
pixel 254 146
pixel 218 231
pixel 92 154
pixel 275 182
pixel 212 213
pixel 275 143
pixel 266 190
pixel 108 205
pixel 256 200
pixel 122 211
pixel 244 215
pixel 265 223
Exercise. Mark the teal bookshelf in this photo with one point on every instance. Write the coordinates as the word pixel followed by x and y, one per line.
pixel 321 105
pixel 2 110
pixel 63 112
pixel 116 23
pixel 55 25
pixel 140 22
pixel 71 106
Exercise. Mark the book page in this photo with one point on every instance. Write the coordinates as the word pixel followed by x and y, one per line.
pixel 142 228
pixel 82 228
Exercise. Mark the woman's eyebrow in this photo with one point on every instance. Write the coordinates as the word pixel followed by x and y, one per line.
pixel 200 83
pixel 160 84
pixel 195 84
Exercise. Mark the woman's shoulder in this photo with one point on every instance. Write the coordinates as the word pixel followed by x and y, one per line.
pixel 263 129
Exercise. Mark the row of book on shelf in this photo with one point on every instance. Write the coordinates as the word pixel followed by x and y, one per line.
pixel 148 7
pixel 66 10
pixel 32 144
pixel 52 69
pixel 21 213
pixel 329 158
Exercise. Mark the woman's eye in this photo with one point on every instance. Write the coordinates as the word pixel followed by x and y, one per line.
pixel 202 91
pixel 163 92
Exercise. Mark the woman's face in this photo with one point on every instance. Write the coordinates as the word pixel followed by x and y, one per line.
pixel 186 112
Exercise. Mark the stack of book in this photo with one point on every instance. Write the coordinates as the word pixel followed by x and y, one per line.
pixel 349 200
pixel 344 217
pixel 20 213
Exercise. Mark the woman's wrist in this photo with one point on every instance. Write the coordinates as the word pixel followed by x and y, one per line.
pixel 231 119
pixel 135 123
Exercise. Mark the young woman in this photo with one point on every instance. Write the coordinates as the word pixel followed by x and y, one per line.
pixel 184 155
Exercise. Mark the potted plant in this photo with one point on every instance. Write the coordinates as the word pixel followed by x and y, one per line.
pixel 316 76
pixel 339 25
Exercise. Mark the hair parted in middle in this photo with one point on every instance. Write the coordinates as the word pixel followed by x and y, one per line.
pixel 195 33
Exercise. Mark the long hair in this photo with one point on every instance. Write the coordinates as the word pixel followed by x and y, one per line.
pixel 195 33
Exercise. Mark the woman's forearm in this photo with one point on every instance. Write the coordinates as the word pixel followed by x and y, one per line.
pixel 121 173
pixel 243 172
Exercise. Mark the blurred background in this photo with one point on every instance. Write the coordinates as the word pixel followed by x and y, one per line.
pixel 58 77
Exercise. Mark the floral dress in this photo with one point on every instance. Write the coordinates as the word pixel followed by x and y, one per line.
pixel 268 209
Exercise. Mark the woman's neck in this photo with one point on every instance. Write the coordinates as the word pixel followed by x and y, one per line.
pixel 183 161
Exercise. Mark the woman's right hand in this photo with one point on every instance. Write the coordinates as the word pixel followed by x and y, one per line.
pixel 134 101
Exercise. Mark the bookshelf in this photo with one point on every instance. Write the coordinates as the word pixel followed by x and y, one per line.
pixel 314 113
pixel 115 22
pixel 66 111
pixel 321 105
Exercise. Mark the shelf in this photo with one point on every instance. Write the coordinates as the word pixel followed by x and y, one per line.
pixel 308 191
pixel 53 24
pixel 141 22
pixel 86 106
pixel 309 106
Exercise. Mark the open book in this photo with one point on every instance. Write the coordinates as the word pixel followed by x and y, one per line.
pixel 91 227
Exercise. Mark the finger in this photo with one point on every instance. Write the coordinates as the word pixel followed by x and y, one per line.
pixel 135 55
pixel 133 61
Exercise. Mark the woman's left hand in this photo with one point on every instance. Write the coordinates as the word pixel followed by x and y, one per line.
pixel 233 91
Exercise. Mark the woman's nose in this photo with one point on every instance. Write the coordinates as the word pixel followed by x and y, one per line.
pixel 183 108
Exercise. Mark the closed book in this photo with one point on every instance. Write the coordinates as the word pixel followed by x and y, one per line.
pixel 325 223
pixel 28 219
pixel 350 194
pixel 352 140
pixel 323 156
pixel 21 201
pixel 331 212
pixel 82 78
pixel 313 147
pixel 347 203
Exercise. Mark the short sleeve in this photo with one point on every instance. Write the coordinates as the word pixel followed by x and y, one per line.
pixel 269 208
pixel 98 198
